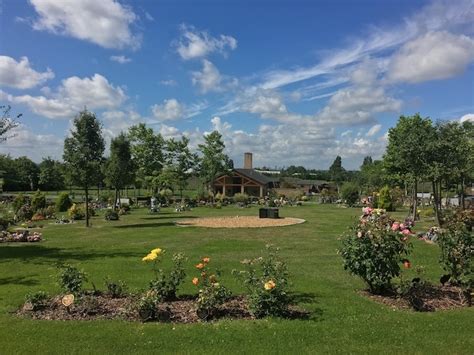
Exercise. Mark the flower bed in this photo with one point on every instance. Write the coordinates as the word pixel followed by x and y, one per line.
pixel 20 237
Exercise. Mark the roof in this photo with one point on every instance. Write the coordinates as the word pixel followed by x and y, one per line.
pixel 254 175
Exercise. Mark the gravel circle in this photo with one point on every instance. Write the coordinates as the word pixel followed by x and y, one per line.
pixel 239 222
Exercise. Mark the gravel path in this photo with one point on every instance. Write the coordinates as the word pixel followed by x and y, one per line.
pixel 239 222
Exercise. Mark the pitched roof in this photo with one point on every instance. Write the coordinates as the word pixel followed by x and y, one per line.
pixel 254 175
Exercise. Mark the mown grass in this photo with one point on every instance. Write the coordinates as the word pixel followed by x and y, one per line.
pixel 341 320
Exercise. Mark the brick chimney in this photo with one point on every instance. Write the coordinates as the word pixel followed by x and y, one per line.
pixel 248 161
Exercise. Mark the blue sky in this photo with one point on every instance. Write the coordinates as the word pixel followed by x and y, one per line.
pixel 295 82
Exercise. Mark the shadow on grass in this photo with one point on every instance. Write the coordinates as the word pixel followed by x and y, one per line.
pixel 145 225
pixel 27 280
pixel 315 314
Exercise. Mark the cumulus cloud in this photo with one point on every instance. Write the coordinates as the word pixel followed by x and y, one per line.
pixel 120 59
pixel 435 55
pixel 21 75
pixel 73 95
pixel 210 79
pixel 106 22
pixel 194 44
pixel 467 118
pixel 172 109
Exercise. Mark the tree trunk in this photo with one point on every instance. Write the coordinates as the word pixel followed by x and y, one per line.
pixel 115 199
pixel 87 205
pixel 415 200
pixel 435 203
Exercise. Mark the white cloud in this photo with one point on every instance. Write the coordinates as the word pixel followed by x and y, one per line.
pixel 20 75
pixel 194 44
pixel 34 146
pixel 210 79
pixel 120 59
pixel 172 109
pixel 119 121
pixel 467 118
pixel 105 22
pixel 73 95
pixel 169 82
pixel 373 130
pixel 435 55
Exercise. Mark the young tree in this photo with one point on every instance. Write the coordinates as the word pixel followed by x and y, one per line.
pixel 337 172
pixel 51 175
pixel 409 151
pixel 213 160
pixel 7 123
pixel 119 170
pixel 147 153
pixel 83 152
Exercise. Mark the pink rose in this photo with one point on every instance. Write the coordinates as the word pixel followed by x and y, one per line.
pixel 395 226
pixel 402 226
pixel 406 232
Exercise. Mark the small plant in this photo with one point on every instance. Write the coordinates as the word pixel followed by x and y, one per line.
pixel 241 198
pixel 71 279
pixel 211 293
pixel 266 281
pixel 457 251
pixel 89 305
pixel 111 215
pixel 385 200
pixel 76 213
pixel 146 306
pixel 37 300
pixel 374 250
pixel 165 285
pixel 116 289
pixel 63 202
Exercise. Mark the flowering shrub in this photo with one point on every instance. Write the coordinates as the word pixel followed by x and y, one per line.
pixel 76 213
pixel 211 293
pixel 71 279
pixel 165 285
pixel 266 281
pixel 24 236
pixel 374 249
pixel 457 251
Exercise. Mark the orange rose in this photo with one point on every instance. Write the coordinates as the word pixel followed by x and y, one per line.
pixel 206 260
pixel 406 264
pixel 200 266
pixel 195 281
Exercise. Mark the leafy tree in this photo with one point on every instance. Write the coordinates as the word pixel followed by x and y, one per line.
pixel 371 174
pixel 83 152
pixel 119 170
pixel 147 153
pixel 181 160
pixel 409 151
pixel 51 175
pixel 213 160
pixel 26 173
pixel 385 199
pixel 350 193
pixel 337 172
pixel 6 122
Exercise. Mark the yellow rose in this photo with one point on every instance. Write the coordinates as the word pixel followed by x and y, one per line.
pixel 269 285
pixel 156 251
pixel 150 257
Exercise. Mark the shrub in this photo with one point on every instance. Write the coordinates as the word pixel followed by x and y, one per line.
pixel 385 199
pixel 19 201
pixel 71 279
pixel 111 215
pixel 374 249
pixel 146 306
pixel 241 198
pixel 63 202
pixel 24 213
pixel 165 285
pixel 211 293
pixel 266 281
pixel 457 250
pixel 38 201
pixel 49 212
pixel 38 300
pixel 350 193
pixel 115 289
pixel 76 213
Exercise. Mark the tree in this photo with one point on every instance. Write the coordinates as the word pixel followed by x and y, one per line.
pixel 213 160
pixel 181 161
pixel 409 151
pixel 371 174
pixel 147 153
pixel 26 172
pixel 51 175
pixel 83 152
pixel 7 123
pixel 350 193
pixel 337 172
pixel 119 170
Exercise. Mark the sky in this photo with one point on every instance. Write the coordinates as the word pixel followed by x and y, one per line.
pixel 295 82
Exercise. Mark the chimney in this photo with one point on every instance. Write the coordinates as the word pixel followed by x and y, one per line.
pixel 248 161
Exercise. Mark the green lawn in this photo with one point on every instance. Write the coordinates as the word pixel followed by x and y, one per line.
pixel 341 321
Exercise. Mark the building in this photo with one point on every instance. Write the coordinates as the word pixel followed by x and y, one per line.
pixel 246 180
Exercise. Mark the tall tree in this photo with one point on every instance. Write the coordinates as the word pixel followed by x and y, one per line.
pixel 83 152
pixel 7 123
pixel 147 153
pixel 119 169
pixel 213 159
pixel 409 151
pixel 51 175
pixel 337 172
pixel 181 160
pixel 26 173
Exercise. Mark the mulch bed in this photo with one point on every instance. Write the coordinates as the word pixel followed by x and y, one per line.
pixel 429 298
pixel 181 310
pixel 239 222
